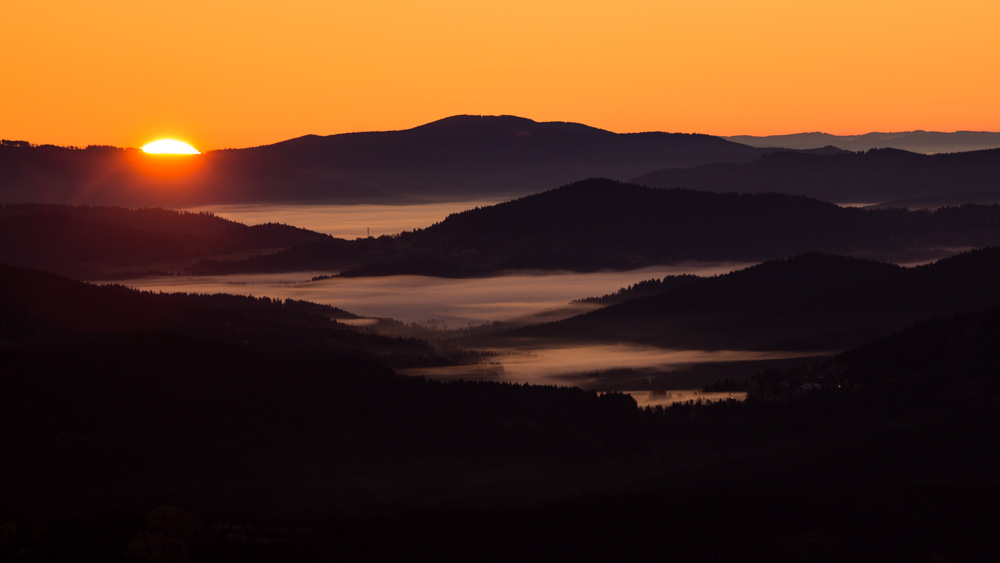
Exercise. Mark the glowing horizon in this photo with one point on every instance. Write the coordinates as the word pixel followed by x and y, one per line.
pixel 720 67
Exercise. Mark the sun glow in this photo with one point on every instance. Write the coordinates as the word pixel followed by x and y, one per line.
pixel 169 146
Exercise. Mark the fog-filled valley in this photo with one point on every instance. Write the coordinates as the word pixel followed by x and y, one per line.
pixel 345 221
pixel 419 350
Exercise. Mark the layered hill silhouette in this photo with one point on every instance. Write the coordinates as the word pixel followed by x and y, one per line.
pixel 928 142
pixel 811 302
pixel 102 242
pixel 232 428
pixel 114 398
pixel 875 176
pixel 602 223
pixel 457 158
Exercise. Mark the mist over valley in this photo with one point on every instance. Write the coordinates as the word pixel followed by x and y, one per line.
pixel 477 336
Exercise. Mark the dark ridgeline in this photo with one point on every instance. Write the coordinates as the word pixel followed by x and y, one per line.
pixel 810 302
pixel 105 242
pixel 928 142
pixel 471 157
pixel 457 158
pixel 875 176
pixel 598 224
pixel 232 428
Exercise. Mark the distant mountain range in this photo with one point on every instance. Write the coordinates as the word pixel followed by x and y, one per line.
pixel 472 157
pixel 876 176
pixel 457 158
pixel 596 224
pixel 928 142
pixel 808 302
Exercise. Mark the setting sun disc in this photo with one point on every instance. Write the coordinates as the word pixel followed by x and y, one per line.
pixel 169 146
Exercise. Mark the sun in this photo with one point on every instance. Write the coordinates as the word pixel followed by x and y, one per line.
pixel 169 146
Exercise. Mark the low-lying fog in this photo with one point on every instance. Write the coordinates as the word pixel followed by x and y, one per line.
pixel 611 366
pixel 445 302
pixel 643 371
pixel 345 221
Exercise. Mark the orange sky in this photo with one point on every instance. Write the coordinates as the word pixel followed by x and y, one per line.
pixel 223 73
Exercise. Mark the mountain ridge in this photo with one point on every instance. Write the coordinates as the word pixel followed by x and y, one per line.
pixel 928 142
pixel 873 176
pixel 455 158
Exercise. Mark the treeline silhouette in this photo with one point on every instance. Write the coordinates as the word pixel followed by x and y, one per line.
pixel 100 242
pixel 599 223
pixel 641 289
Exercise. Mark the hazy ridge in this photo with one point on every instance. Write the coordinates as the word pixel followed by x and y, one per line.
pixel 928 142
pixel 598 224
pixel 875 176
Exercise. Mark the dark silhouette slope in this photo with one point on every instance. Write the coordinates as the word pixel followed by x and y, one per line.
pixel 112 398
pixel 808 302
pixel 131 437
pixel 599 224
pixel 874 176
pixel 942 360
pixel 458 158
pixel 99 242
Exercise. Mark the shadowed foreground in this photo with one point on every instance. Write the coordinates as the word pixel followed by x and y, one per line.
pixel 155 427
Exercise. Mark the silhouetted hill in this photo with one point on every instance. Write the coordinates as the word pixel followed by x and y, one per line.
pixel 164 427
pixel 599 224
pixel 43 309
pixel 458 158
pixel 874 176
pixel 928 142
pixel 98 242
pixel 811 302
pixel 929 364
pixel 114 398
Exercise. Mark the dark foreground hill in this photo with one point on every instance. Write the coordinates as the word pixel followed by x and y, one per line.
pixel 597 224
pixel 101 242
pixel 458 158
pixel 112 397
pixel 874 176
pixel 810 302
pixel 151 427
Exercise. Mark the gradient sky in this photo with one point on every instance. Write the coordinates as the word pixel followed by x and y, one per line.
pixel 225 73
